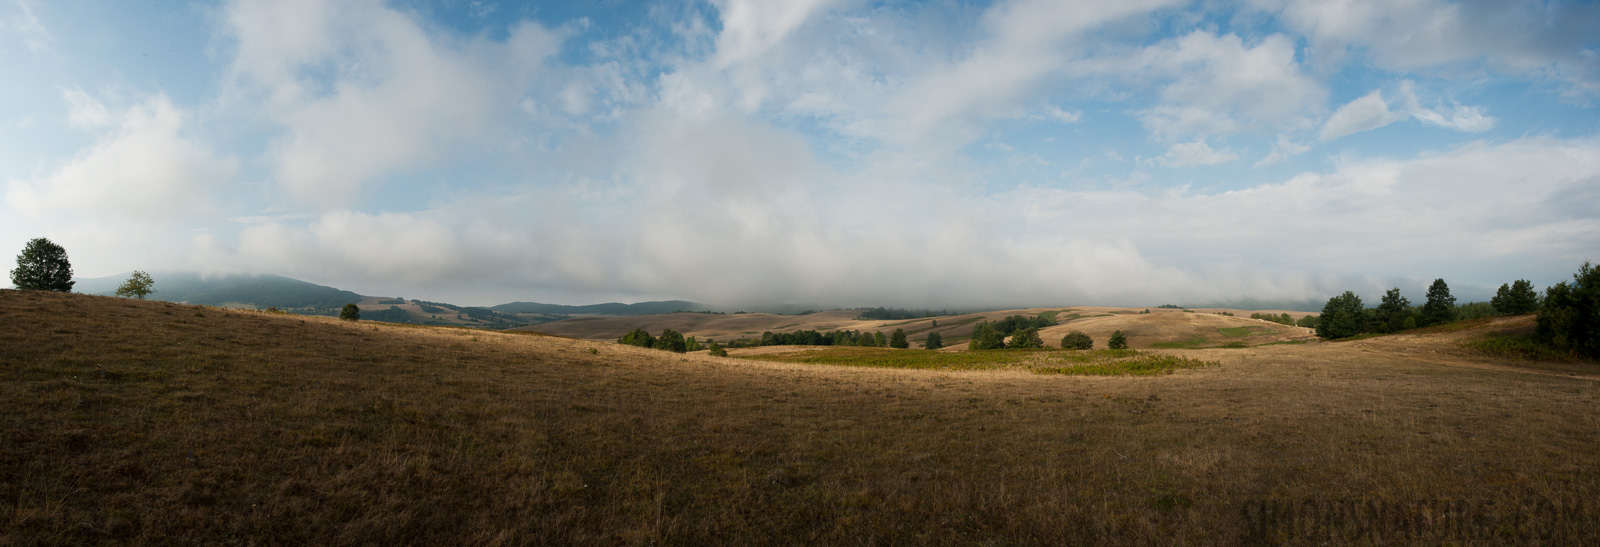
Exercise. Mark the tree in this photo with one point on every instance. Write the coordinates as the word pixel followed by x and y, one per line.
pixel 1570 319
pixel 1309 321
pixel 1027 338
pixel 898 339
pixel 1441 307
pixel 638 337
pixel 1342 316
pixel 878 341
pixel 692 344
pixel 137 286
pixel 717 350
pixel 671 340
pixel 43 266
pixel 1391 313
pixel 1077 340
pixel 986 336
pixel 1516 298
pixel 351 312
pixel 1118 341
pixel 934 341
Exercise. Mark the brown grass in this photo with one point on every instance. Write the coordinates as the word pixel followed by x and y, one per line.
pixel 153 422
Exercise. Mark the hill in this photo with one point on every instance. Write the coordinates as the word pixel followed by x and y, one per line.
pixel 125 421
pixel 610 308
pixel 261 291
pixel 1165 327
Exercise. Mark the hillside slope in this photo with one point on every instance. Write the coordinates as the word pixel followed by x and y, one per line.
pixel 152 422
pixel 261 291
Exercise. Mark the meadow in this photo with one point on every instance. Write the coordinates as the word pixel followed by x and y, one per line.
pixel 151 422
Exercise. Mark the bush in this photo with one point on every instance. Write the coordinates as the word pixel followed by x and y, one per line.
pixel 1118 341
pixel 137 286
pixel 934 341
pixel 43 266
pixel 351 312
pixel 1077 340
pixel 1570 319
pixel 717 350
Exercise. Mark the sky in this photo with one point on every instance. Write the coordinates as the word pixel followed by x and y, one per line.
pixel 837 152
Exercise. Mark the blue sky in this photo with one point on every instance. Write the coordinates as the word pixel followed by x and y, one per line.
pixel 835 152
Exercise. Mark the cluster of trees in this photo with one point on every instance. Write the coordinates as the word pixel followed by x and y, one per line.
pixel 897 314
pixel 670 340
pixel 896 339
pixel 1309 321
pixel 1569 319
pixel 1023 330
pixel 1345 315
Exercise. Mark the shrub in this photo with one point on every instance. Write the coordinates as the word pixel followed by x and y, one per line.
pixel 717 350
pixel 1077 340
pixel 351 312
pixel 1118 341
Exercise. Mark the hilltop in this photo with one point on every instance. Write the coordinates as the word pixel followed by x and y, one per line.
pixel 135 421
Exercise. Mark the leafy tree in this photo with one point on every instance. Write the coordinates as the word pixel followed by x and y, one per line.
pixel 1391 312
pixel 351 312
pixel 1475 310
pixel 692 344
pixel 1309 321
pixel 898 339
pixel 934 341
pixel 638 337
pixel 43 266
pixel 1516 298
pixel 1077 340
pixel 986 336
pixel 137 286
pixel 671 340
pixel 716 349
pixel 1342 316
pixel 1441 307
pixel 1570 319
pixel 1027 338
pixel 1118 341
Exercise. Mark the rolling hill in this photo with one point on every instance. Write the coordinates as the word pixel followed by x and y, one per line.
pixel 261 291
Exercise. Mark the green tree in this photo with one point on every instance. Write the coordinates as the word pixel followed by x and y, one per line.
pixel 1118 341
pixel 878 340
pixel 986 336
pixel 1440 307
pixel 1570 318
pixel 638 337
pixel 1391 312
pixel 671 340
pixel 1026 338
pixel 351 312
pixel 1309 321
pixel 692 344
pixel 716 349
pixel 43 266
pixel 934 341
pixel 1342 316
pixel 898 339
pixel 1516 298
pixel 138 285
pixel 1077 340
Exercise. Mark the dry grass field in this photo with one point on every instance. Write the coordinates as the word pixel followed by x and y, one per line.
pixel 150 422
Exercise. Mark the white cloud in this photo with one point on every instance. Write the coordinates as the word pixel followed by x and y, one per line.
pixel 1196 152
pixel 751 27
pixel 1470 119
pixel 143 167
pixel 18 21
pixel 1053 112
pixel 1283 149
pixel 1363 114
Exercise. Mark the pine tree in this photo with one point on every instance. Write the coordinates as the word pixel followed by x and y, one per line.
pixel 1516 298
pixel 898 339
pixel 1118 341
pixel 1342 316
pixel 43 266
pixel 1391 312
pixel 934 341
pixel 1441 307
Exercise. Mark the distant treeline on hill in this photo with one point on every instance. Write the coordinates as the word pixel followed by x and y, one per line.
pixel 610 308
pixel 894 314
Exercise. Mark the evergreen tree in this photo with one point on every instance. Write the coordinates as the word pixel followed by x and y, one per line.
pixel 898 339
pixel 1342 316
pixel 934 341
pixel 1391 313
pixel 1118 341
pixel 879 341
pixel 43 266
pixel 137 286
pixel 986 336
pixel 1077 340
pixel 1026 339
pixel 1516 298
pixel 1570 318
pixel 692 344
pixel 351 312
pixel 1441 307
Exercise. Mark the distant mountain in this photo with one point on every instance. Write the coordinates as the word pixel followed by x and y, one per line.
pixel 610 308
pixel 1311 305
pixel 261 291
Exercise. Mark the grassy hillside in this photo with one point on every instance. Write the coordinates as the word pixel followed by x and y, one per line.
pixel 261 291
pixel 151 422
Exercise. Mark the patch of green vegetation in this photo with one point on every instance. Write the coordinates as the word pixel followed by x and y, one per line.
pixel 1234 345
pixel 1522 346
pixel 893 358
pixel 1284 343
pixel 1141 365
pixel 1050 315
pixel 1182 344
pixel 1236 332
